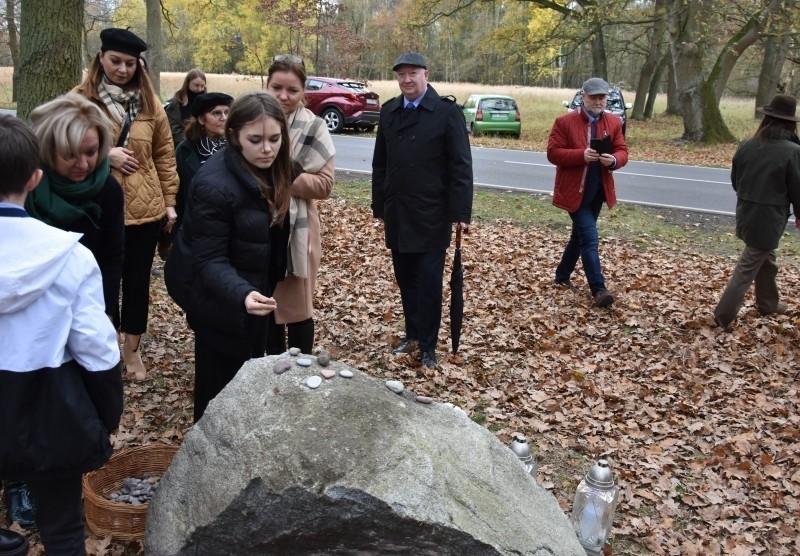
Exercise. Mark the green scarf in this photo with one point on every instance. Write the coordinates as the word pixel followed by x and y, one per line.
pixel 60 202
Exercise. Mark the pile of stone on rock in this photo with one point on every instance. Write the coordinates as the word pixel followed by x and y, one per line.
pixel 135 490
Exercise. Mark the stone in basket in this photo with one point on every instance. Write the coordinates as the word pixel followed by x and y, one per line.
pixel 124 522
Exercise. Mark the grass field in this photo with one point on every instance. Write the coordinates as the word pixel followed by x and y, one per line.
pixel 656 139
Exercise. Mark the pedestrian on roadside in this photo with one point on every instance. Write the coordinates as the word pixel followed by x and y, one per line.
pixel 765 174
pixel 421 186
pixel 179 107
pixel 143 162
pixel 60 381
pixel 230 250
pixel 312 149
pixel 584 180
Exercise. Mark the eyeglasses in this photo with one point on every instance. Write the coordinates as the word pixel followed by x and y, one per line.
pixel 288 58
pixel 220 114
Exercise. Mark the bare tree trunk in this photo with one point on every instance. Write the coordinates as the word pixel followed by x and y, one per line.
pixel 738 43
pixel 599 61
pixel 50 51
pixel 776 49
pixel 13 44
pixel 652 91
pixel 687 46
pixel 155 49
pixel 688 58
pixel 651 63
pixel 673 102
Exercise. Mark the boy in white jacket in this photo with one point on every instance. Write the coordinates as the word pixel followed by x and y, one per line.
pixel 60 380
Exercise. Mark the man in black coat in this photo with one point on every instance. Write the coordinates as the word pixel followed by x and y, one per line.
pixel 421 185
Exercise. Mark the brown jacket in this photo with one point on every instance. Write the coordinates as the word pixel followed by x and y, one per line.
pixel 154 185
pixel 295 296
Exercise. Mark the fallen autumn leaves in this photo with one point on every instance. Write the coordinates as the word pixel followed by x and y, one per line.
pixel 700 426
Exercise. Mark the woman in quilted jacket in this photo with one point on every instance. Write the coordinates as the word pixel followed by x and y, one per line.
pixel 143 161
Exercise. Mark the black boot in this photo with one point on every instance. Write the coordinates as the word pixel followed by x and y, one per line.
pixel 301 335
pixel 12 544
pixel 19 505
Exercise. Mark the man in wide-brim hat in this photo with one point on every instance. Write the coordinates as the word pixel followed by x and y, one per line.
pixel 766 177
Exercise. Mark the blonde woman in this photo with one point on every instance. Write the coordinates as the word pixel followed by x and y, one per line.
pixel 143 161
pixel 77 192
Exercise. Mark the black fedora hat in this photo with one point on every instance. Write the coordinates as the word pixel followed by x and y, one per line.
pixel 122 40
pixel 208 101
pixel 781 106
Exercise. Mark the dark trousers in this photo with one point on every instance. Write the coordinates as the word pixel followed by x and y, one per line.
pixel 59 515
pixel 301 335
pixel 419 276
pixel 140 248
pixel 214 369
pixel 583 244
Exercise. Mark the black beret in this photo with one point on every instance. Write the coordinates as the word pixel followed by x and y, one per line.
pixel 208 101
pixel 121 40
pixel 410 59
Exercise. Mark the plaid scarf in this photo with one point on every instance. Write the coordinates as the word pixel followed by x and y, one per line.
pixel 121 104
pixel 312 148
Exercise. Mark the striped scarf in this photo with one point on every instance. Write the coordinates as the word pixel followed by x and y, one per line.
pixel 312 147
pixel 121 104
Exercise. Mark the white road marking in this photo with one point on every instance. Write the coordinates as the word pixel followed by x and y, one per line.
pixel 622 173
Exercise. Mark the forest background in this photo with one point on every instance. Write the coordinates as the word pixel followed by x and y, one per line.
pixel 694 51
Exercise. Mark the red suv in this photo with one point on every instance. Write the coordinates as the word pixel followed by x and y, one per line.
pixel 343 103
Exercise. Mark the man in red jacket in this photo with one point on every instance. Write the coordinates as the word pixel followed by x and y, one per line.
pixel 586 145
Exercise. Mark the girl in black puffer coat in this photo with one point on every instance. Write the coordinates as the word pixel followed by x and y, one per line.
pixel 231 248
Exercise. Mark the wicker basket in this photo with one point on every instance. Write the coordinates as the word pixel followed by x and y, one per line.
pixel 124 522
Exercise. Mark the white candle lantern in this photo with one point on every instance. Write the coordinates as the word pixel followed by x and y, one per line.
pixel 593 509
pixel 522 449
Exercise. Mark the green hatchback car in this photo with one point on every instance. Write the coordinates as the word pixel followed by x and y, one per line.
pixel 492 114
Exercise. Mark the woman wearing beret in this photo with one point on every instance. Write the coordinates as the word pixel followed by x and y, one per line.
pixel 179 107
pixel 312 150
pixel 143 161
pixel 766 177
pixel 205 135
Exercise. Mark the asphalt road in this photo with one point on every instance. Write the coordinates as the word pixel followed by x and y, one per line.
pixel 676 186
pixel 693 188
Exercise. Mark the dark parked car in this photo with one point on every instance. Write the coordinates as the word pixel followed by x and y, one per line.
pixel 615 105
pixel 343 103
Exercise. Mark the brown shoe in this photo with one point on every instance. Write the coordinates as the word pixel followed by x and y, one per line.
pixel 780 309
pixel 603 298
pixel 133 358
